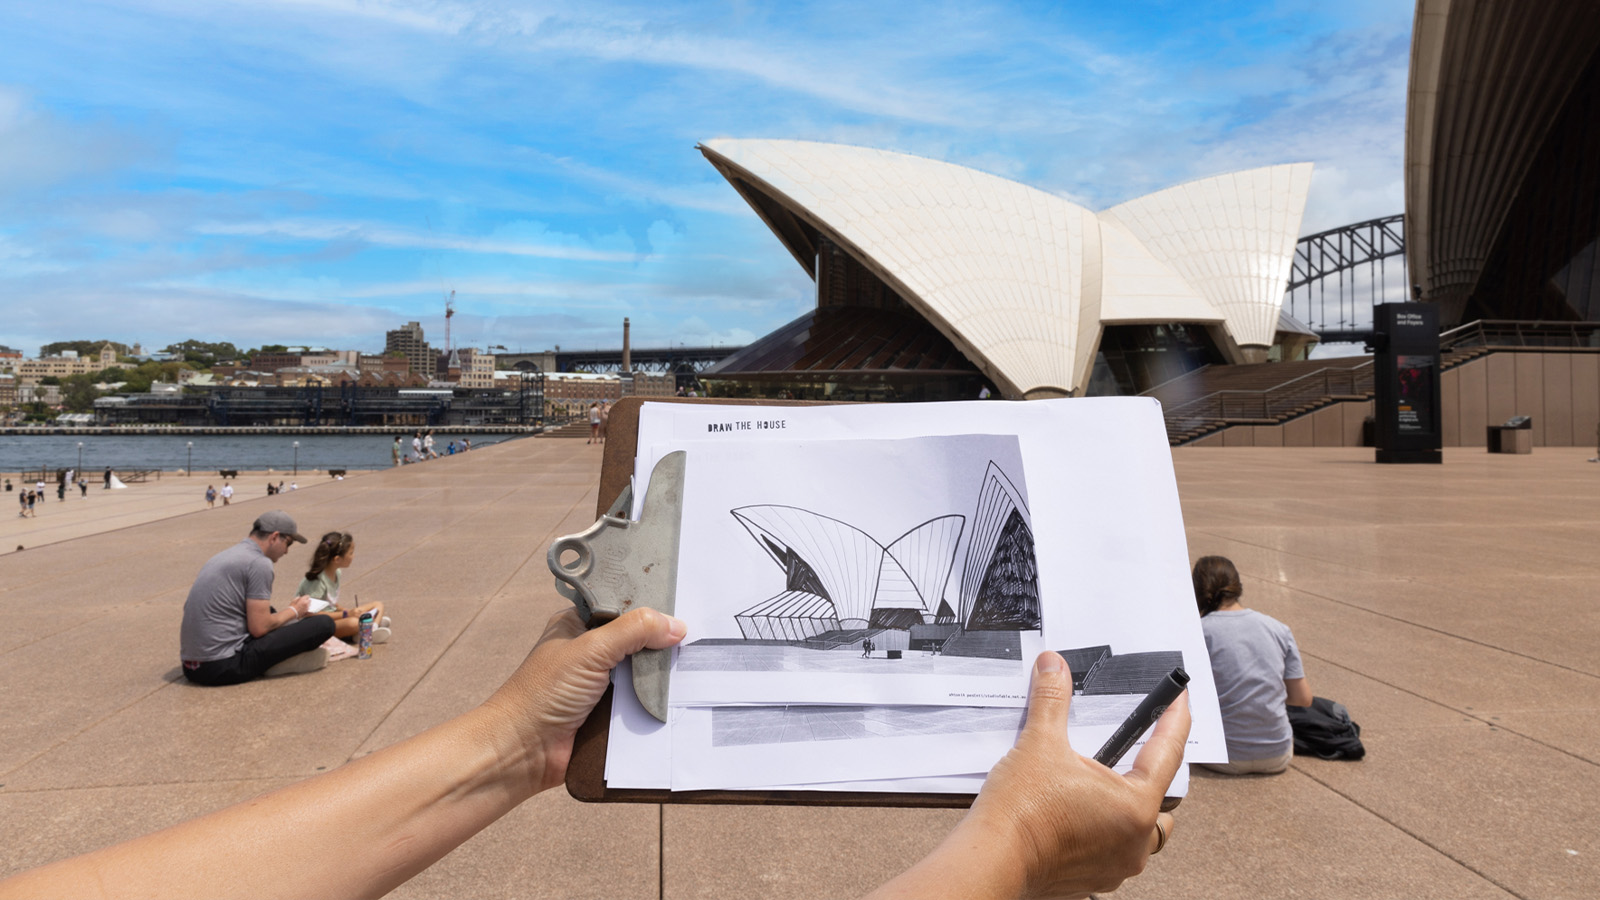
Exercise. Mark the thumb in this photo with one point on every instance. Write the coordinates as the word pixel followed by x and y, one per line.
pixel 632 632
pixel 1049 695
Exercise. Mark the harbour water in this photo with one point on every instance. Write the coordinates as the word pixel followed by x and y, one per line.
pixel 171 453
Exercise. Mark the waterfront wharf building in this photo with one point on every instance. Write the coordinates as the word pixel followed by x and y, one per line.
pixel 330 406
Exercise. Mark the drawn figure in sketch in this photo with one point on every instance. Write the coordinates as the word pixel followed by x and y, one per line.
pixel 844 587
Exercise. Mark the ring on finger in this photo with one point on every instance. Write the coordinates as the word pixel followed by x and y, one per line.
pixel 1161 838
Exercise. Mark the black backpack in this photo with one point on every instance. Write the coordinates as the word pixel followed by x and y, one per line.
pixel 1324 729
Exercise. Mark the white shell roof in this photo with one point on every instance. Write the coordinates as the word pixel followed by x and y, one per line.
pixel 993 264
pixel 1000 267
pixel 1231 237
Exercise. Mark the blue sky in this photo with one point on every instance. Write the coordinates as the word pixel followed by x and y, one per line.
pixel 319 171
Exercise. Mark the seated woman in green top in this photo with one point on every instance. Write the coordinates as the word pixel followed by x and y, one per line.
pixel 333 554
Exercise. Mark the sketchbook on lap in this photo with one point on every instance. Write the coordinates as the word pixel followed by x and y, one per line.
pixel 866 588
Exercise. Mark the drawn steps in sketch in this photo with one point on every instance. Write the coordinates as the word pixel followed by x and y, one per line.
pixel 1107 687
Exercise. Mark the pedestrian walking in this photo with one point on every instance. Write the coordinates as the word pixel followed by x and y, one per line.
pixel 83 487
pixel 108 478
pixel 211 496
pixel 394 452
pixel 227 493
pixel 22 504
pixel 33 499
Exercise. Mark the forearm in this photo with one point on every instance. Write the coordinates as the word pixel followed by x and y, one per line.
pixel 399 810
pixel 974 861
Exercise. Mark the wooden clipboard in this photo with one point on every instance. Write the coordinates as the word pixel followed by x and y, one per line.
pixel 587 768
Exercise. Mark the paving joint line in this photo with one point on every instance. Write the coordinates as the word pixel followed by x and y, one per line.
pixel 74 735
pixel 1412 834
pixel 1441 631
pixel 489 598
pixel 291 779
pixel 1499 726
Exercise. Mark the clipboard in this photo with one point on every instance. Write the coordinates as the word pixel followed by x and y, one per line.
pixel 586 769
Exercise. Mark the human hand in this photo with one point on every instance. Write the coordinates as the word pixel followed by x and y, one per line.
pixel 1070 825
pixel 560 682
pixel 302 605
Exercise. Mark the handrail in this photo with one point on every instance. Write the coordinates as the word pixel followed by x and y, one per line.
pixel 1517 333
pixel 1268 402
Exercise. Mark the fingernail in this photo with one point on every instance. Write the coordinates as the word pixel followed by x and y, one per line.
pixel 1050 662
pixel 677 627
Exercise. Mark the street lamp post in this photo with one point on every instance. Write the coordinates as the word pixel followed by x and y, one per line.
pixel 80 457
pixel 191 460
pixel 297 459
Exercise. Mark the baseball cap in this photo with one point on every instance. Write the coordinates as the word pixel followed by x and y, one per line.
pixel 279 521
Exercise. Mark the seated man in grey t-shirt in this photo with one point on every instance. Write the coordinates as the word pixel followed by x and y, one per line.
pixel 230 632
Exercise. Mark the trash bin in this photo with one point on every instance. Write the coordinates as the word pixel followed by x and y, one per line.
pixel 1515 436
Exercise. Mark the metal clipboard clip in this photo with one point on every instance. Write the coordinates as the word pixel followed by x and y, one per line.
pixel 623 564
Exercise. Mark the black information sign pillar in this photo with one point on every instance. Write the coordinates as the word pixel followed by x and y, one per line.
pixel 1405 374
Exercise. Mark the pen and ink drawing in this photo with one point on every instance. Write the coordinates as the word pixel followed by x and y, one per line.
pixel 853 597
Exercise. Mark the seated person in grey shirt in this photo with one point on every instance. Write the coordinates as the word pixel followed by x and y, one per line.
pixel 230 632
pixel 1257 669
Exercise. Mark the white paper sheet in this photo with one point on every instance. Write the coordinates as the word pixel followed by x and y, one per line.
pixel 1100 488
pixel 641 754
pixel 783 581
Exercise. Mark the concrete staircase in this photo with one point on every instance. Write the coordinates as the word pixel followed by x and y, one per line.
pixel 1210 399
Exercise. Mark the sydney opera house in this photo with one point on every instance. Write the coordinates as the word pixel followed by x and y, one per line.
pixel 842 586
pixel 936 281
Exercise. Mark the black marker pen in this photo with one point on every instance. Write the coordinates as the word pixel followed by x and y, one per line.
pixel 1143 716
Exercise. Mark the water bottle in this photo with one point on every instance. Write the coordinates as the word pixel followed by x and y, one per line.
pixel 366 637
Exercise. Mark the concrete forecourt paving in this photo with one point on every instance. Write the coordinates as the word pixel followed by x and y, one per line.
pixel 1453 609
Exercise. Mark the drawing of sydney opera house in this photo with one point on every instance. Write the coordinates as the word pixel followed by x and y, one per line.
pixel 845 590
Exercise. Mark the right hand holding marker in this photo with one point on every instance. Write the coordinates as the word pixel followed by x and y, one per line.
pixel 1074 826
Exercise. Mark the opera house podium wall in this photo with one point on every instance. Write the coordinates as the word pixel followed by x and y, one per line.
pixel 1559 390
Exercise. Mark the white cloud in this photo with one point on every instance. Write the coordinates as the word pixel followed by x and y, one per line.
pixel 384 236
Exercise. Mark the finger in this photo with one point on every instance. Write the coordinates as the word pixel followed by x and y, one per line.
pixel 1164 825
pixel 632 632
pixel 1049 695
pixel 1161 755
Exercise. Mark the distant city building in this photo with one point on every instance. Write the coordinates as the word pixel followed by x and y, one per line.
pixel 9 359
pixel 572 392
pixel 410 342
pixel 67 364
pixel 569 392
pixel 382 365
pixel 49 394
pixel 323 357
pixel 647 384
pixel 272 362
pixel 476 368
